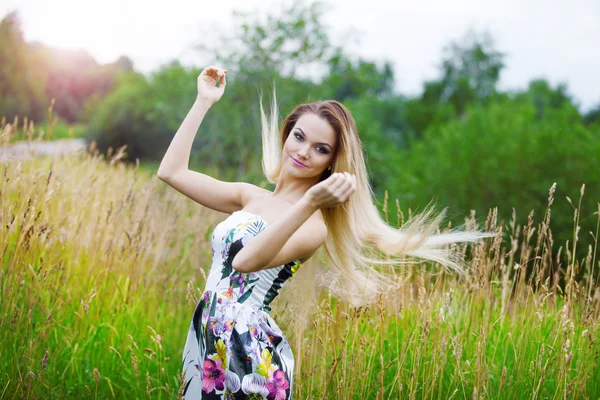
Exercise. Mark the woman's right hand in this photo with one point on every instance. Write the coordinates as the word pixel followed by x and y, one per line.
pixel 207 80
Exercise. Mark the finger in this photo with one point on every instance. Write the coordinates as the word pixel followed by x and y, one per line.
pixel 338 181
pixel 346 195
pixel 210 72
pixel 332 178
pixel 215 71
pixel 348 178
pixel 222 81
pixel 342 187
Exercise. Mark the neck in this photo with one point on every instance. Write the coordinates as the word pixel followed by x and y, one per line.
pixel 291 189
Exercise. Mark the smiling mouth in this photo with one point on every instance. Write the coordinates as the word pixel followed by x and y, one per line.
pixel 297 162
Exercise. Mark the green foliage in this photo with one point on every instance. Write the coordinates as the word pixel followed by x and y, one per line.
pixel 348 79
pixel 19 91
pixel 593 115
pixel 130 116
pixel 469 72
pixel 505 155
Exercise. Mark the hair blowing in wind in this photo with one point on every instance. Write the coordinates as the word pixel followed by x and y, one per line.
pixel 360 242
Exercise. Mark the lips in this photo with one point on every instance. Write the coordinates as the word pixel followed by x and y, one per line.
pixel 298 163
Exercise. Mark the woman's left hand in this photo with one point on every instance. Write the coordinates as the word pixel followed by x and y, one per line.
pixel 332 191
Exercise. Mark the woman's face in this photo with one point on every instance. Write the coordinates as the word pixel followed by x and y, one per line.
pixel 310 146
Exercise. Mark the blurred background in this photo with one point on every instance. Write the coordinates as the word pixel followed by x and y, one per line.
pixel 471 104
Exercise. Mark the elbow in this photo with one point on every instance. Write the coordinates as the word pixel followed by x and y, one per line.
pixel 165 173
pixel 163 176
pixel 243 267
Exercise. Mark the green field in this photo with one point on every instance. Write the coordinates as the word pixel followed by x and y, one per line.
pixel 102 264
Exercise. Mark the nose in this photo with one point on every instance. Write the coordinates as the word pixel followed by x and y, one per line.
pixel 303 152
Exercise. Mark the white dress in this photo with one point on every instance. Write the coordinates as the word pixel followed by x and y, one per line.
pixel 234 349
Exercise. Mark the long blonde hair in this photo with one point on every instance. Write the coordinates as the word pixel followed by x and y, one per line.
pixel 360 242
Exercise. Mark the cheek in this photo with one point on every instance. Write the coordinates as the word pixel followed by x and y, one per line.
pixel 289 144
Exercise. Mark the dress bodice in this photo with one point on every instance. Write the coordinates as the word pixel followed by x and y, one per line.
pixel 255 289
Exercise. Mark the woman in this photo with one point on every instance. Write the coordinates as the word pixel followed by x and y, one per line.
pixel 234 348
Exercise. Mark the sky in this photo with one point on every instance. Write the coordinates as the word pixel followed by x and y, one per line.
pixel 557 40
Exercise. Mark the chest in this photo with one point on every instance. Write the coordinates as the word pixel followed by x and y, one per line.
pixel 266 208
pixel 238 225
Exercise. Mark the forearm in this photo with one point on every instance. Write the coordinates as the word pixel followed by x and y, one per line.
pixel 178 153
pixel 265 246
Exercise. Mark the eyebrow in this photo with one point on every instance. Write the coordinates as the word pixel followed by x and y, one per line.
pixel 323 143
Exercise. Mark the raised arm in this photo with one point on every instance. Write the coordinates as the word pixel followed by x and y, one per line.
pixel 174 167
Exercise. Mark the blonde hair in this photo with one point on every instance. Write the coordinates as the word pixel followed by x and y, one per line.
pixel 360 242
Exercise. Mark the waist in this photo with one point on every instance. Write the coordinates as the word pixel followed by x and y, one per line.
pixel 228 298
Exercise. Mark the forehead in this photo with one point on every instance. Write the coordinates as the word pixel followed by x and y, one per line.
pixel 316 128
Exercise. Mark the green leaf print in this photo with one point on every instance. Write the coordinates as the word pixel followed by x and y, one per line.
pixel 245 296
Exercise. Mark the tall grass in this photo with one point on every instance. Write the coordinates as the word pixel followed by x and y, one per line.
pixel 25 129
pixel 101 267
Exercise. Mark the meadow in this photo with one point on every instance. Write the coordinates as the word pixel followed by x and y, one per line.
pixel 102 265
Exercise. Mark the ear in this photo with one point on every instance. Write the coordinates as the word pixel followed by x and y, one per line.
pixel 326 174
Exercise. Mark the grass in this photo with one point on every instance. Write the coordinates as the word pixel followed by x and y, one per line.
pixel 26 130
pixel 101 266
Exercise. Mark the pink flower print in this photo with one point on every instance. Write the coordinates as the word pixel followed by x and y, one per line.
pixel 213 375
pixel 277 386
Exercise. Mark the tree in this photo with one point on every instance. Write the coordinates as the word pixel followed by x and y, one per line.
pixel 546 99
pixel 469 73
pixel 593 115
pixel 470 70
pixel 20 92
pixel 504 154
pixel 349 79
pixel 273 45
pixel 130 116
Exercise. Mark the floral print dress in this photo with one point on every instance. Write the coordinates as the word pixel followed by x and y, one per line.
pixel 234 348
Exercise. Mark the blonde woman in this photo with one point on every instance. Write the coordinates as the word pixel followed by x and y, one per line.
pixel 322 197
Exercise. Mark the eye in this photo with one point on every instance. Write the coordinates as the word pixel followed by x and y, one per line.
pixel 322 150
